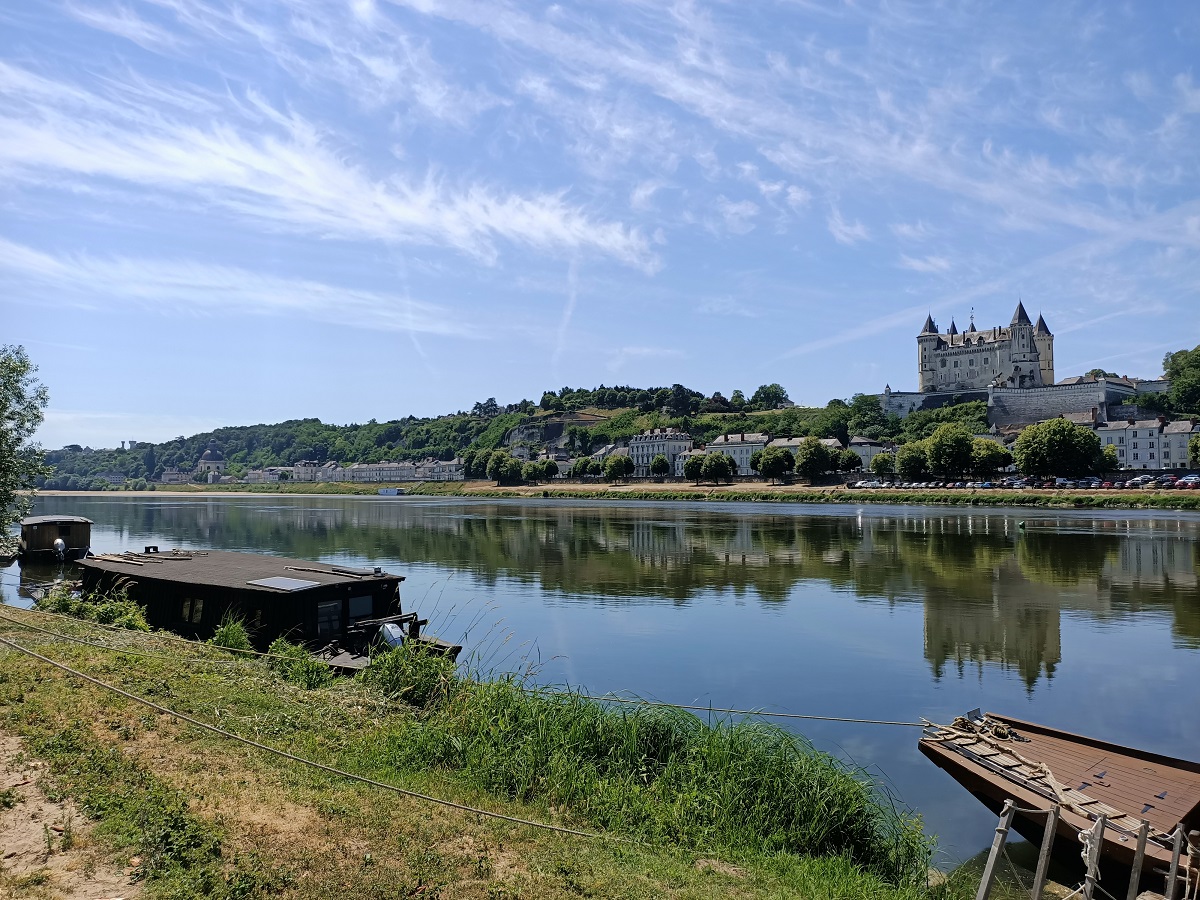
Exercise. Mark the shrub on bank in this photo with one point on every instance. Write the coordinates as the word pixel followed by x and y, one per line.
pixel 296 665
pixel 106 609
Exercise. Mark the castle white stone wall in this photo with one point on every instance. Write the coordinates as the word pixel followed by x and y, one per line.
pixel 1021 355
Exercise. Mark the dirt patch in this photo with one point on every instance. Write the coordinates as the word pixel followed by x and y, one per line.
pixel 47 849
pixel 721 868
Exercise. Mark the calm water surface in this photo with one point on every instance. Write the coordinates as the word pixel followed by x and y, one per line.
pixel 1087 621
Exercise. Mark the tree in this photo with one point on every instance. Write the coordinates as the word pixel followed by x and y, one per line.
pixel 911 460
pixel 550 401
pixel 756 461
pixel 1110 461
pixel 1194 451
pixel 813 458
pixel 504 468
pixel 549 468
pixel 1057 447
pixel 737 400
pixel 22 399
pixel 660 466
pixel 1182 368
pixel 883 464
pixel 948 451
pixel 531 471
pixel 988 457
pixel 775 462
pixel 768 396
pixel 488 409
pixel 693 467
pixel 848 461
pixel 1100 373
pixel 618 467
pixel 718 467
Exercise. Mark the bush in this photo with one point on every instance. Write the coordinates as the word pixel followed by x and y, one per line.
pixel 412 673
pixel 296 665
pixel 231 634
pixel 107 609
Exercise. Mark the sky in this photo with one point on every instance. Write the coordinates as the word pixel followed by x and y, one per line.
pixel 220 213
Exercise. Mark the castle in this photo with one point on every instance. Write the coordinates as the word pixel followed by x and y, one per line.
pixel 1019 356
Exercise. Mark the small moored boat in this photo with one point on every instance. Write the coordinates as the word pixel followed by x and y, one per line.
pixel 54 538
pixel 1000 758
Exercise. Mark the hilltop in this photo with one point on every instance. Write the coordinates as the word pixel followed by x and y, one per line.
pixel 575 418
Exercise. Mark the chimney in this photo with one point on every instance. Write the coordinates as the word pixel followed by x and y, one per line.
pixel 1093 415
pixel 742 436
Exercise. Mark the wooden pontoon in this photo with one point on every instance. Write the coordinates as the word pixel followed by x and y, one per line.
pixel 54 537
pixel 338 609
pixel 1000 758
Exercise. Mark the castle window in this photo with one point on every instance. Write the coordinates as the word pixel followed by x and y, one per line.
pixel 956 364
pixel 943 364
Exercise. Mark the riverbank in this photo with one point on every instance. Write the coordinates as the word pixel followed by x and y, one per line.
pixel 755 492
pixel 678 803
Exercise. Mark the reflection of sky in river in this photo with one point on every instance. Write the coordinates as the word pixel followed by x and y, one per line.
pixel 1087 621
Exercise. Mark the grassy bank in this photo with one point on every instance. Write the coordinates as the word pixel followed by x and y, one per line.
pixel 729 809
pixel 751 492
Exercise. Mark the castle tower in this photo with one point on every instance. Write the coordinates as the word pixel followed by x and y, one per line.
pixel 1044 341
pixel 927 342
pixel 1026 362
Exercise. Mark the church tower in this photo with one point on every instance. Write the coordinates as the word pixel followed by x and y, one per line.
pixel 1023 352
pixel 1044 341
pixel 927 343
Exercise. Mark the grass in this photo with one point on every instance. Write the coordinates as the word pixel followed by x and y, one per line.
pixel 737 809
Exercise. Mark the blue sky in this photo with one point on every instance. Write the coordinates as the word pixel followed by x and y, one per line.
pixel 225 212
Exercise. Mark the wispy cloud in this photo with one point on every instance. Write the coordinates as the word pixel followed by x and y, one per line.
pixel 285 172
pixel 185 288
pixel 925 263
pixel 844 232
pixel 123 22
pixel 725 306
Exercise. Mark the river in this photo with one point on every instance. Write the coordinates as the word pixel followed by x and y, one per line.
pixel 1088 621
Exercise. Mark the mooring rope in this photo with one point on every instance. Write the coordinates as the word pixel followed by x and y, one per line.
pixel 221 732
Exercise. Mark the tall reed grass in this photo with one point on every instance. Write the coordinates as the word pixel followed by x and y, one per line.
pixel 659 774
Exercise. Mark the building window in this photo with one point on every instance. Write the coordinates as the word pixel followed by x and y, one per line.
pixel 956 364
pixel 1135 456
pixel 943 364
pixel 1151 444
pixel 1135 445
pixel 971 363
pixel 1121 439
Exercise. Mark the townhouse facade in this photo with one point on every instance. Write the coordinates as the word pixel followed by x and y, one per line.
pixel 668 442
pixel 741 447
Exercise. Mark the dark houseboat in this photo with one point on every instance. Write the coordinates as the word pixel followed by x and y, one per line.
pixel 54 538
pixel 999 758
pixel 190 592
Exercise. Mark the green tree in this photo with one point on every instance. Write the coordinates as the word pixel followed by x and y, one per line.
pixel 989 457
pixel 911 459
pixel 503 468
pixel 1057 447
pixel 768 396
pixel 737 400
pixel 616 467
pixel 1110 461
pixel 550 401
pixel 813 458
pixel 948 449
pixel 848 461
pixel 693 467
pixel 1182 368
pixel 883 464
pixel 532 471
pixel 22 399
pixel 1194 451
pixel 866 417
pixel 660 466
pixel 756 461
pixel 549 468
pixel 1100 373
pixel 718 467
pixel 775 462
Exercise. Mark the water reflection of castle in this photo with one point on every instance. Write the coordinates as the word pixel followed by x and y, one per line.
pixel 992 593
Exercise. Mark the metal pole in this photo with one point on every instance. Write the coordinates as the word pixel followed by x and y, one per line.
pixel 1095 842
pixel 1173 872
pixel 1043 863
pixel 1139 856
pixel 989 870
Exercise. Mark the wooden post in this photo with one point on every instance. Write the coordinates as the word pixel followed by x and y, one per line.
pixel 1173 872
pixel 1043 863
pixel 1093 858
pixel 989 870
pixel 1139 857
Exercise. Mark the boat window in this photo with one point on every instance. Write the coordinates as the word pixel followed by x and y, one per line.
pixel 197 610
pixel 361 607
pixel 64 530
pixel 187 609
pixel 329 618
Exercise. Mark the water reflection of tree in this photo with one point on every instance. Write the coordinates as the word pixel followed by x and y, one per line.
pixel 992 595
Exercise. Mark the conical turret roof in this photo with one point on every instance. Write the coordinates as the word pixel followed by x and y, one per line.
pixel 1041 327
pixel 1020 317
pixel 929 327
pixel 953 328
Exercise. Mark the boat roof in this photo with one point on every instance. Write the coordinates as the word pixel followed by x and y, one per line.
pixel 49 520
pixel 1125 783
pixel 229 569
